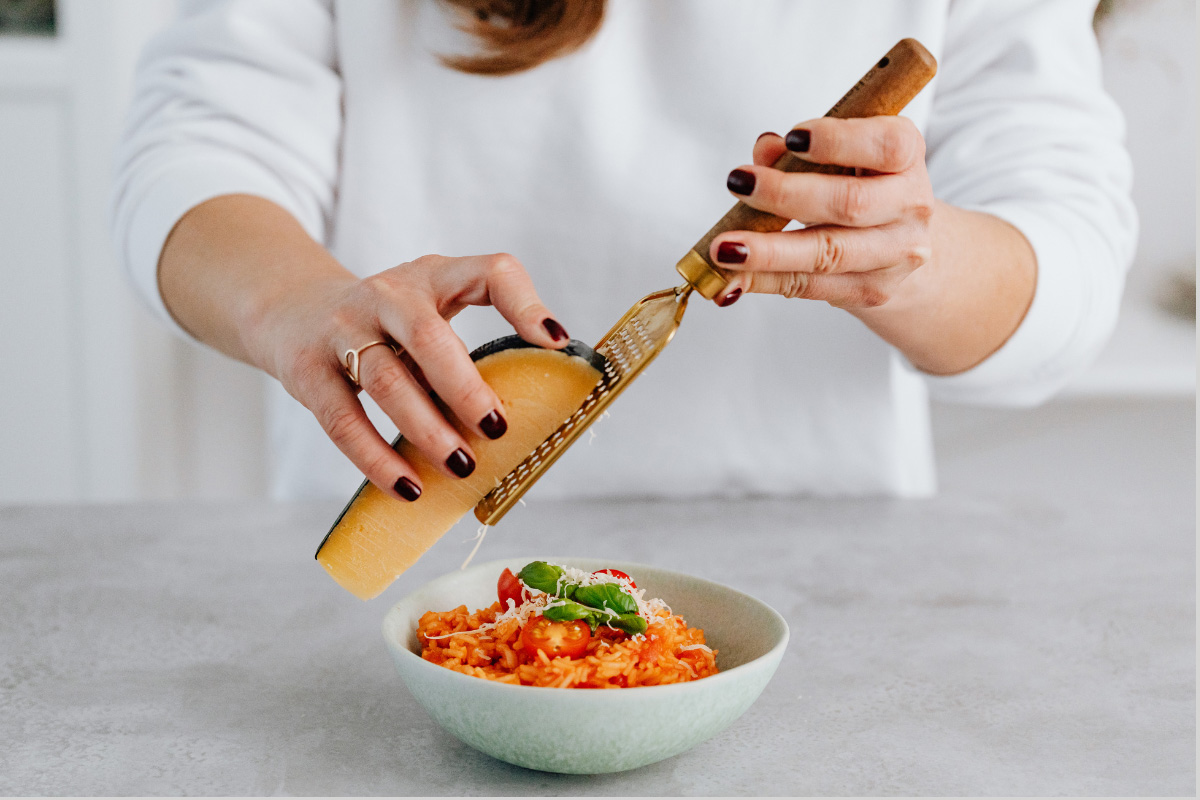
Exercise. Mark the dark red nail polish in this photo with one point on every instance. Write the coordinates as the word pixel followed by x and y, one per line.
pixel 407 489
pixel 798 140
pixel 493 425
pixel 460 463
pixel 556 331
pixel 740 182
pixel 732 253
pixel 730 298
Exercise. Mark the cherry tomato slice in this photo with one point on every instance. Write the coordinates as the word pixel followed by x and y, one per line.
pixel 509 587
pixel 616 573
pixel 556 639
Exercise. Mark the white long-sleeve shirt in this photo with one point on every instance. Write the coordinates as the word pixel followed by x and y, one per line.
pixel 600 169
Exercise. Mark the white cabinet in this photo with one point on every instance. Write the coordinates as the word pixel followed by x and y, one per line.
pixel 96 401
pixel 42 425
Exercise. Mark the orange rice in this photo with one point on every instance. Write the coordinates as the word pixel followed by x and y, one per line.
pixel 497 654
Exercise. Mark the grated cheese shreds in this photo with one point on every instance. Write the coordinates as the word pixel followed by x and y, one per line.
pixel 537 601
pixel 646 608
pixel 479 537
pixel 521 613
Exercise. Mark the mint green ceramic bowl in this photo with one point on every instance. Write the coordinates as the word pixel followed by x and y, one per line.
pixel 626 728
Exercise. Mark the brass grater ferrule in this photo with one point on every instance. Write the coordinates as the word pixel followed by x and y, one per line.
pixel 707 279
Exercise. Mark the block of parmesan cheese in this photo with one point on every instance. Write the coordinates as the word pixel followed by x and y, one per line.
pixel 377 537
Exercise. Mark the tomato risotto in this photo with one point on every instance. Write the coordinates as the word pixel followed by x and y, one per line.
pixel 559 627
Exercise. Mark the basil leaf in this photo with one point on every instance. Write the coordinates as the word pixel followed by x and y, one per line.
pixel 606 595
pixel 569 611
pixel 541 576
pixel 632 624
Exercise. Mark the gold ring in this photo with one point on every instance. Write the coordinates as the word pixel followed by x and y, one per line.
pixel 353 358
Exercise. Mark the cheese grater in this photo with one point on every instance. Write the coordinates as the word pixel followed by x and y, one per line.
pixel 647 328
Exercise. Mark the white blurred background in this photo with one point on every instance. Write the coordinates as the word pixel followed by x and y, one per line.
pixel 99 404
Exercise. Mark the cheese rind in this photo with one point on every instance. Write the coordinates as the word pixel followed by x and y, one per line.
pixel 378 537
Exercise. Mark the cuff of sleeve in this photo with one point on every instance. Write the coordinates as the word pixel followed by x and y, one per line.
pixel 1029 367
pixel 171 193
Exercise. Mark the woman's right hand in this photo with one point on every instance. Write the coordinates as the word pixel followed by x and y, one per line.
pixel 239 273
pixel 303 337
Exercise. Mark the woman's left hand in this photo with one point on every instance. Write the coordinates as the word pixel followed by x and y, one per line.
pixel 865 232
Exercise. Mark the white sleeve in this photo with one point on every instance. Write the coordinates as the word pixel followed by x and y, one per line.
pixel 1021 128
pixel 234 97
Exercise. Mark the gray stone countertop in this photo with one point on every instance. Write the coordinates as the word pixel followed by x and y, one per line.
pixel 1031 631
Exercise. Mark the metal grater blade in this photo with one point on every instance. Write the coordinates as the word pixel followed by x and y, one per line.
pixel 635 341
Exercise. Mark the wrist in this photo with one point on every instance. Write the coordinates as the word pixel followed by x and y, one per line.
pixel 267 319
pixel 964 304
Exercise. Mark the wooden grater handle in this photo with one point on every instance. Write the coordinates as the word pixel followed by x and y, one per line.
pixel 886 89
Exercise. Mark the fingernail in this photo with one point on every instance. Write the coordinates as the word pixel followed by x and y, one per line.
pixel 460 463
pixel 407 489
pixel 798 140
pixel 740 182
pixel 730 298
pixel 732 253
pixel 556 331
pixel 493 425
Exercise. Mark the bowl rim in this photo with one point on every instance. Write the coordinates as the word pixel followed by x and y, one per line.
pixel 724 676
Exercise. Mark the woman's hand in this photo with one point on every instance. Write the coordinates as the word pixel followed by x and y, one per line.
pixel 865 233
pixel 240 273
pixel 304 342
pixel 943 285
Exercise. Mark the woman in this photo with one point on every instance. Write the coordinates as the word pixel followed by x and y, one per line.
pixel 284 156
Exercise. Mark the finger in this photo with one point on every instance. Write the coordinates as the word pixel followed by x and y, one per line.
pixel 384 377
pixel 825 249
pixel 816 198
pixel 414 322
pixel 884 144
pixel 768 149
pixel 341 416
pixel 500 280
pixel 853 290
